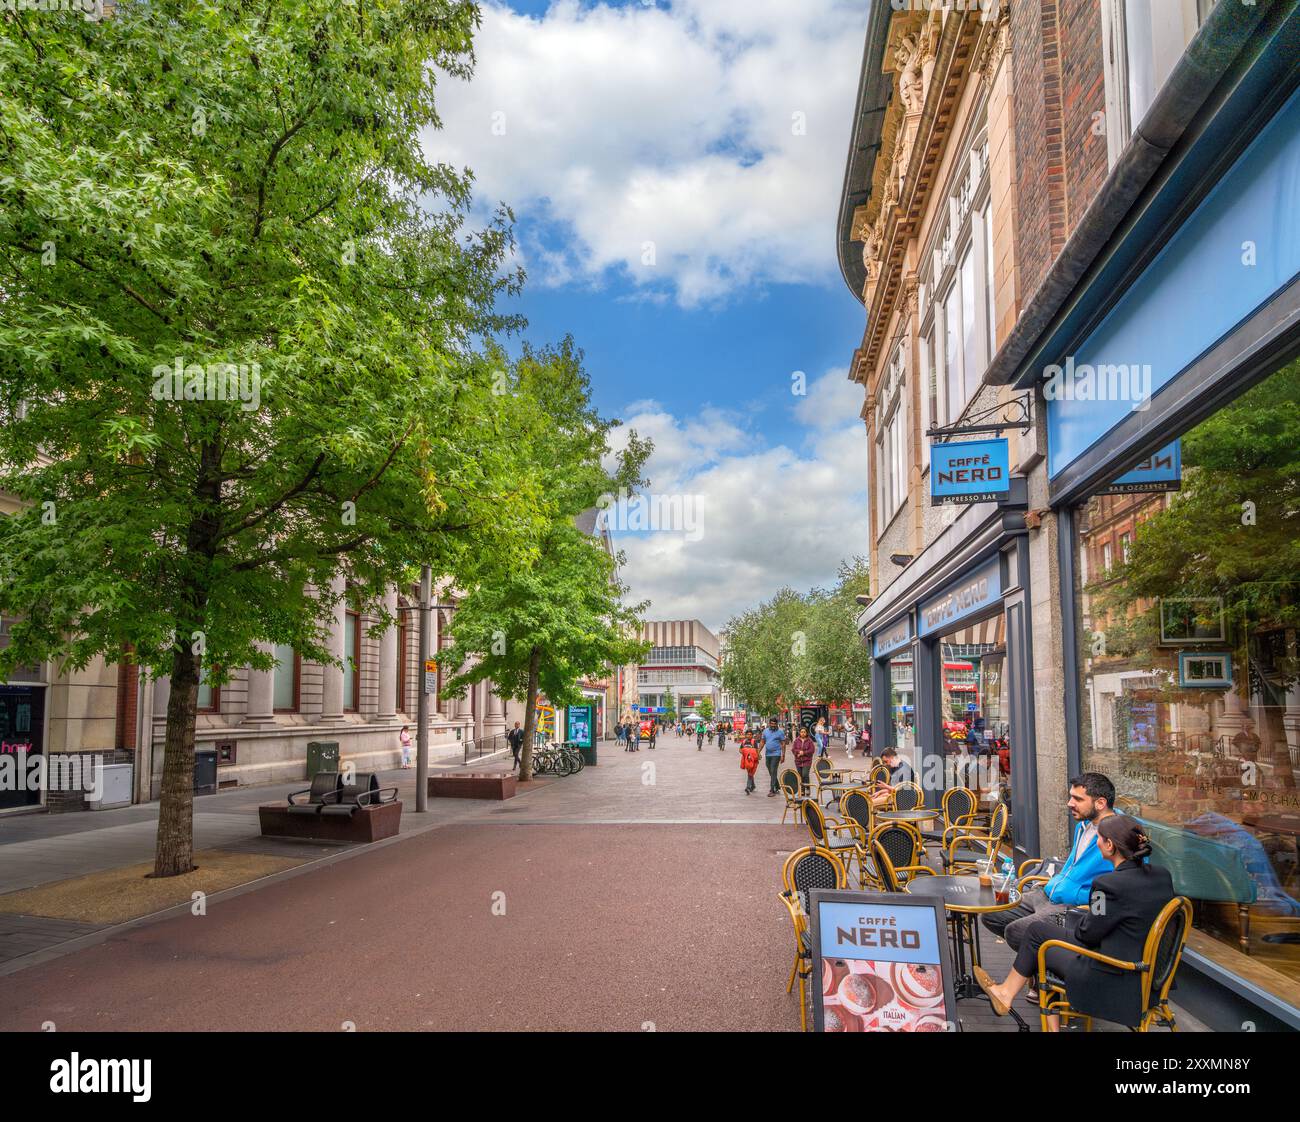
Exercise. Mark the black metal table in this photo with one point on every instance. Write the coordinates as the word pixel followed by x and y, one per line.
pixel 964 901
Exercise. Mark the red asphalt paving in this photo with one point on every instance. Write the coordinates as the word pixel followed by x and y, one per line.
pixel 605 928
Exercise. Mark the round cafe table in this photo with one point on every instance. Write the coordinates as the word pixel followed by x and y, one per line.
pixel 965 900
pixel 914 816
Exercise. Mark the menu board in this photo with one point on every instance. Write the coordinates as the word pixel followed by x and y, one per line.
pixel 880 964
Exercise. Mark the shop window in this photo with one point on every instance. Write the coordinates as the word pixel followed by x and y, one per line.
pixel 1106 557
pixel 891 424
pixel 287 673
pixel 1142 41
pixel 1190 674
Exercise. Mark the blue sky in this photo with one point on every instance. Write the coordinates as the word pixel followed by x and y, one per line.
pixel 675 169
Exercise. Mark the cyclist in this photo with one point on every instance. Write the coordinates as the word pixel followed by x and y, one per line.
pixel 722 736
pixel 699 737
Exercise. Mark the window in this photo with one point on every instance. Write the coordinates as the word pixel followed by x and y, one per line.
pixel 351 661
pixel 402 640
pixel 1105 557
pixel 1189 701
pixel 990 310
pixel 1125 542
pixel 1143 41
pixel 929 395
pixel 286 679
pixel 209 695
pixel 891 422
pixel 958 325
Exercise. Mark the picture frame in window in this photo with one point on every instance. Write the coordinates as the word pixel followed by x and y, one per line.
pixel 1183 620
pixel 1203 670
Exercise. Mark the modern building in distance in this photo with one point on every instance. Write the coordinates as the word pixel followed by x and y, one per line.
pixel 683 658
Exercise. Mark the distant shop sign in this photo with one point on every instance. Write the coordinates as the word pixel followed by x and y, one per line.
pixel 972 471
pixel 963 598
pixel 893 637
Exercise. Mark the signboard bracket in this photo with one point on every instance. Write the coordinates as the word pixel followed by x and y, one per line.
pixel 1017 410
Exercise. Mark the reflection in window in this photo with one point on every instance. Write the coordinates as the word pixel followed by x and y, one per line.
pixel 1190 658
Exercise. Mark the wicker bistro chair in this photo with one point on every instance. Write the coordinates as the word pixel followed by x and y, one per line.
pixel 795 799
pixel 959 808
pixel 964 850
pixel 1160 958
pixel 908 796
pixel 879 773
pixel 840 837
pixel 804 870
pixel 891 877
pixel 855 806
pixel 901 843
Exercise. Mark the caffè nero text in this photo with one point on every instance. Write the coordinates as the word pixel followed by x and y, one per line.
pixel 970 469
pixel 878 932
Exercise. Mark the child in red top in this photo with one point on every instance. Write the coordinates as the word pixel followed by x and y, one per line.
pixel 749 762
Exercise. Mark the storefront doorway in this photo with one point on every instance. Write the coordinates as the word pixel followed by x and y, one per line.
pixel 22 740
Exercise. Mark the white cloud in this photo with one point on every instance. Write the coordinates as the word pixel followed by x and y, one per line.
pixel 771 515
pixel 670 131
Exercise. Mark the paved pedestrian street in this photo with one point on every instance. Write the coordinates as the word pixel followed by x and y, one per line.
pixel 637 894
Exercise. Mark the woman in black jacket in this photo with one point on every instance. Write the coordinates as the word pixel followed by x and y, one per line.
pixel 1124 904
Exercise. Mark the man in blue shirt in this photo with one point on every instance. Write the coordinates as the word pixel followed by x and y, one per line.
pixel 1091 799
pixel 773 754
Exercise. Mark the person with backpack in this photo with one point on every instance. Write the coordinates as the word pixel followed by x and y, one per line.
pixel 749 763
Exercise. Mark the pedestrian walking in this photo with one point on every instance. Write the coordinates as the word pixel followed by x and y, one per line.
pixel 405 737
pixel 773 754
pixel 850 736
pixel 749 762
pixel 823 738
pixel 803 749
pixel 722 736
pixel 515 738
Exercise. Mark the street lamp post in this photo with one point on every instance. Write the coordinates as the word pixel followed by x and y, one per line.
pixel 422 700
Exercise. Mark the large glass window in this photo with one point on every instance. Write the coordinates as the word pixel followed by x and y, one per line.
pixel 286 678
pixel 1190 672
pixel 351 661
pixel 952 351
pixel 971 369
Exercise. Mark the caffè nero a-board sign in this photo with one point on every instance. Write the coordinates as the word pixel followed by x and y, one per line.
pixel 880 963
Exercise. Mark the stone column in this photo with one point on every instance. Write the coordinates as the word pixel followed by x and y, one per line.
pixel 162 692
pixel 332 676
pixel 388 663
pixel 260 708
pixel 495 721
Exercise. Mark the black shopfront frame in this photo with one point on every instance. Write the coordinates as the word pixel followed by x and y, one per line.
pixel 927 687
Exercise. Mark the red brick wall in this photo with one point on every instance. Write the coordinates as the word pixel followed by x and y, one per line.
pixel 1061 163
pixel 128 678
pixel 1083 86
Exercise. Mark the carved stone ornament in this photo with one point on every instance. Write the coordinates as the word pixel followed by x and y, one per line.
pixel 911 85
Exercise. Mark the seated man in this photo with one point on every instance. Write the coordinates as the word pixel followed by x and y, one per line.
pixel 900 771
pixel 1091 798
pixel 1116 924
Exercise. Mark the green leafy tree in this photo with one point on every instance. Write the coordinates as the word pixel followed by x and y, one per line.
pixel 766 652
pixel 545 614
pixel 837 664
pixel 705 708
pixel 236 350
pixel 670 705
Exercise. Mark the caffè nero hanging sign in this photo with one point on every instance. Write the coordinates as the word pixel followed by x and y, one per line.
pixel 971 471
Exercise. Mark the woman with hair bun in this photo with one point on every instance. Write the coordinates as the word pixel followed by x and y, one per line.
pixel 1124 905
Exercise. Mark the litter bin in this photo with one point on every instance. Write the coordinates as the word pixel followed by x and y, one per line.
pixel 205 771
pixel 322 755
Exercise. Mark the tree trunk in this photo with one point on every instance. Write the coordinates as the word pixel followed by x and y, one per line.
pixel 530 715
pixel 175 849
pixel 174 853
